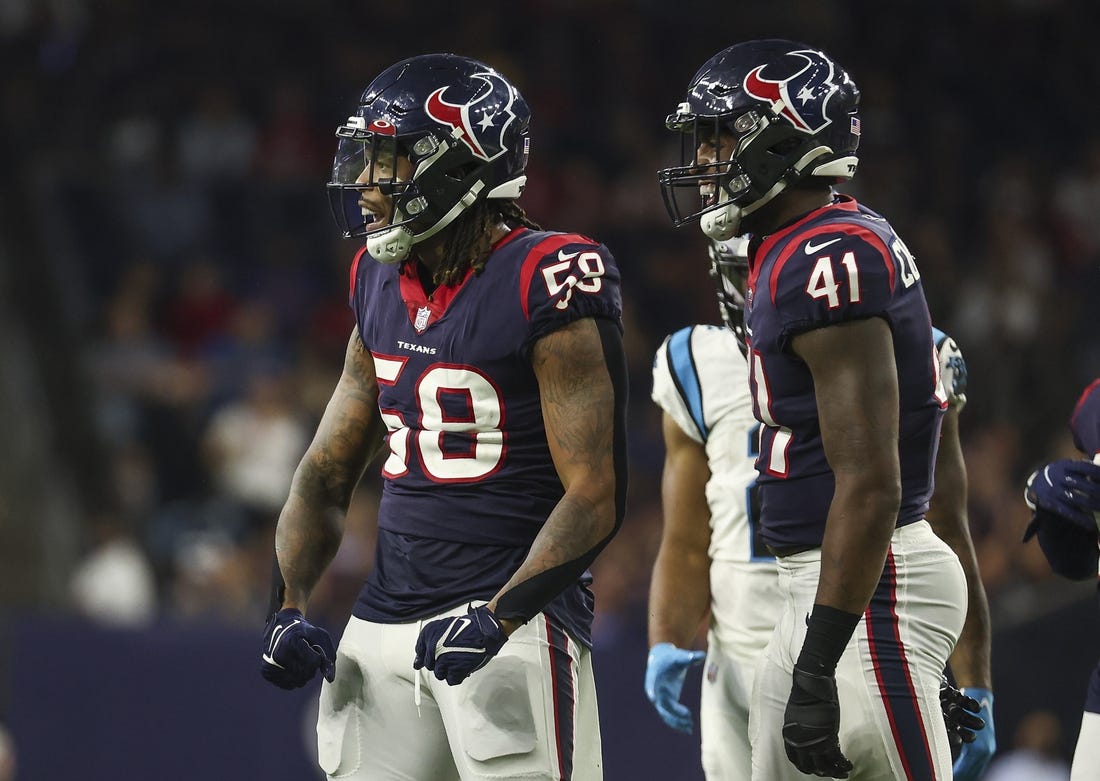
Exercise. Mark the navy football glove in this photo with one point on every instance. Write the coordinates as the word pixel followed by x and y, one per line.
pixel 1070 488
pixel 294 650
pixel 976 753
pixel 811 726
pixel 665 671
pixel 452 648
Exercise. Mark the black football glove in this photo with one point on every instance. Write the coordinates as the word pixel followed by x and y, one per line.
pixel 960 714
pixel 811 726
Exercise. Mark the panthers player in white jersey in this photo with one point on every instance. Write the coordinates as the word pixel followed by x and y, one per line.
pixel 700 381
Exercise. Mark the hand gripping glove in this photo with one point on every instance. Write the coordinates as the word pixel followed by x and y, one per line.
pixel 959 714
pixel 452 648
pixel 811 726
pixel 665 671
pixel 294 650
pixel 977 752
pixel 1070 488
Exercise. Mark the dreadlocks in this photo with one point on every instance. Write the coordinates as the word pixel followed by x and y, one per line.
pixel 472 240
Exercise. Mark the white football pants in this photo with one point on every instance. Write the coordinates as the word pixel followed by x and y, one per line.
pixel 529 713
pixel 891 725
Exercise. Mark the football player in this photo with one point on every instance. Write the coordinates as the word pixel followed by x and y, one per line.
pixel 844 379
pixel 1064 497
pixel 711 556
pixel 947 513
pixel 487 364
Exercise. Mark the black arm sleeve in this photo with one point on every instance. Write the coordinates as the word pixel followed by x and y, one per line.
pixel 278 588
pixel 526 599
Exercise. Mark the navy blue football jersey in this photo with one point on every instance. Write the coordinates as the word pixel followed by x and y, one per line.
pixel 840 262
pixel 469 479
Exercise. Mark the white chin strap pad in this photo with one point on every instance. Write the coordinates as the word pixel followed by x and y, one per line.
pixel 390 246
pixel 721 224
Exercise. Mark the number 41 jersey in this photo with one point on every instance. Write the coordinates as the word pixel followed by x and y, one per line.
pixel 469 480
pixel 838 263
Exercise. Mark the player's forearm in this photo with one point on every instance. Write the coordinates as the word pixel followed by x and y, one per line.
pixel 575 532
pixel 679 596
pixel 862 518
pixel 310 528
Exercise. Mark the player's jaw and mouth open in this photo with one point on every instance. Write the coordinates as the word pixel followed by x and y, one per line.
pixel 708 157
pixel 377 207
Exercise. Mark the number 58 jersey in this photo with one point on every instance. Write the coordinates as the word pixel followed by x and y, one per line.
pixel 839 263
pixel 468 464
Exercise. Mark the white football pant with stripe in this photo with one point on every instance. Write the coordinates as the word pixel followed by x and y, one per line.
pixel 891 724
pixel 529 713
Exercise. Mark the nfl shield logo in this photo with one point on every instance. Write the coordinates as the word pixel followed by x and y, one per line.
pixel 421 322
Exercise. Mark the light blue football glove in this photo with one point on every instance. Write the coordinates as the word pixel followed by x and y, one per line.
pixel 665 671
pixel 975 756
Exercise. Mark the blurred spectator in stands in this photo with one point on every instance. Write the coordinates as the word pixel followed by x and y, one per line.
pixel 201 308
pixel 252 446
pixel 217 141
pixel 113 584
pixel 1035 753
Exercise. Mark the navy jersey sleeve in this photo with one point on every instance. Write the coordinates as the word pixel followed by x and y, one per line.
pixel 565 278
pixel 828 275
pixel 1085 421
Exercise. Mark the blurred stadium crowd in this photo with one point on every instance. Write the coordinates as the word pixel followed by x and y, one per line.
pixel 180 288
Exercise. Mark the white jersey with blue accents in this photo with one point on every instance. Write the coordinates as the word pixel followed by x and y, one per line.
pixel 700 378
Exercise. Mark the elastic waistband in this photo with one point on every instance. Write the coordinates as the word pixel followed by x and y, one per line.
pixel 789 551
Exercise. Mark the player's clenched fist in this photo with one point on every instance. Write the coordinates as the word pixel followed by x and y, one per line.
pixel 452 648
pixel 294 650
pixel 811 725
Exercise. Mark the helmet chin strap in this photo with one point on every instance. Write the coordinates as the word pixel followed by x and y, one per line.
pixel 390 246
pixel 723 222
pixel 393 244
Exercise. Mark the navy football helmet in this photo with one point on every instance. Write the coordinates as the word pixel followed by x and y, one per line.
pixel 463 128
pixel 789 110
pixel 729 266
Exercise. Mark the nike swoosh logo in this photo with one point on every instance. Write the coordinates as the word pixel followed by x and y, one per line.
pixel 563 255
pixel 458 627
pixel 811 248
pixel 276 638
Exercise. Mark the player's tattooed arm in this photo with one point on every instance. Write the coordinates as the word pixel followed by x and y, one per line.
pixel 970 663
pixel 581 375
pixel 350 434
